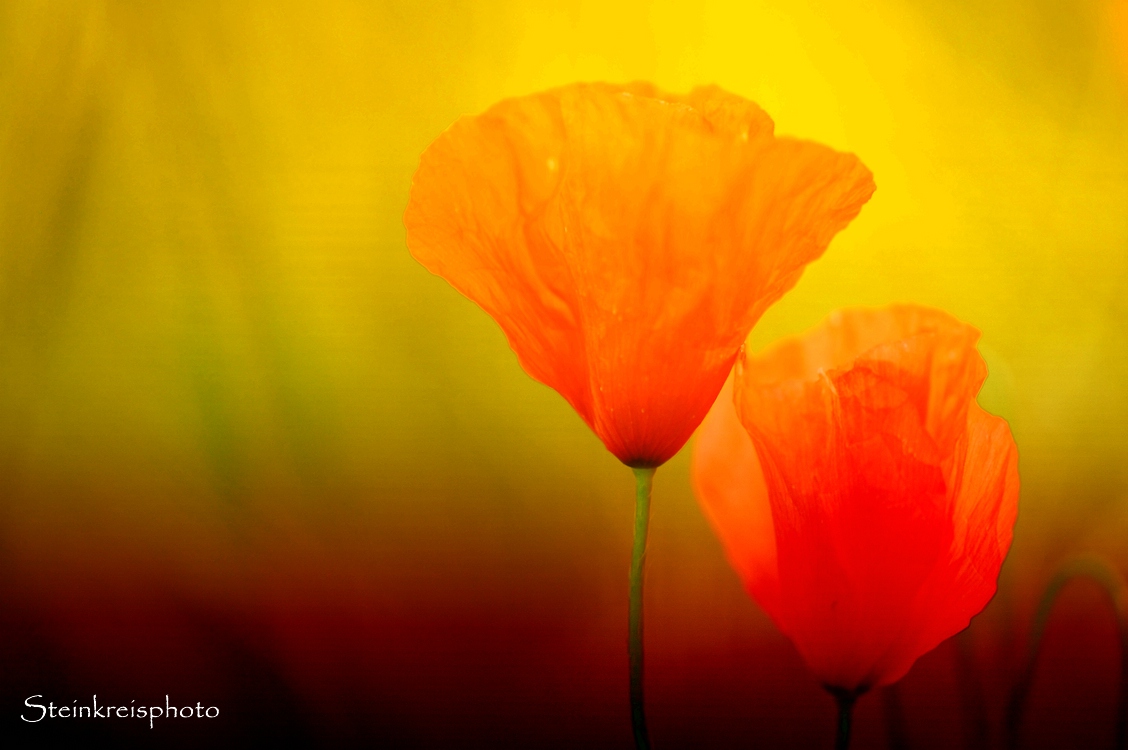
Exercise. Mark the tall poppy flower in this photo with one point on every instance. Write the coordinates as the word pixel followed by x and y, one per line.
pixel 626 240
pixel 864 498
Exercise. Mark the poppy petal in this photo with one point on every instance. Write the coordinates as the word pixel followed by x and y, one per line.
pixel 627 240
pixel 892 493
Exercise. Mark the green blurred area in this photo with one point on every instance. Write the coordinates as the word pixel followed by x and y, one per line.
pixel 216 353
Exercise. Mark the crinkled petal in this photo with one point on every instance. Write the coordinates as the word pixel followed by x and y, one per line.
pixel 627 240
pixel 984 510
pixel 892 493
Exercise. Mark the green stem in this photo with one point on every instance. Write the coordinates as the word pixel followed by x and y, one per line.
pixel 845 718
pixel 644 480
pixel 1105 574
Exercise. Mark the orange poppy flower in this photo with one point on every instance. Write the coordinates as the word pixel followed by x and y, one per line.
pixel 886 500
pixel 626 240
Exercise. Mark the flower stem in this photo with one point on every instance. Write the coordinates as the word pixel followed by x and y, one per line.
pixel 845 718
pixel 644 480
pixel 1105 574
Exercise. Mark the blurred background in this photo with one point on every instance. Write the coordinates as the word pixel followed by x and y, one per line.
pixel 253 455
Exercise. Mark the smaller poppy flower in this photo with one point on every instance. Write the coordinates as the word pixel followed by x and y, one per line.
pixel 864 498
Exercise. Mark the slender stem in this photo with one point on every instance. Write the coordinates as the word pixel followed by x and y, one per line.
pixel 845 718
pixel 644 480
pixel 1106 575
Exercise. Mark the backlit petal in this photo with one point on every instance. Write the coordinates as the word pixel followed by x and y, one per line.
pixel 627 240
pixel 892 493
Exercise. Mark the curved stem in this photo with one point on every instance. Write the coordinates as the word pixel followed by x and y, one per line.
pixel 1106 575
pixel 644 480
